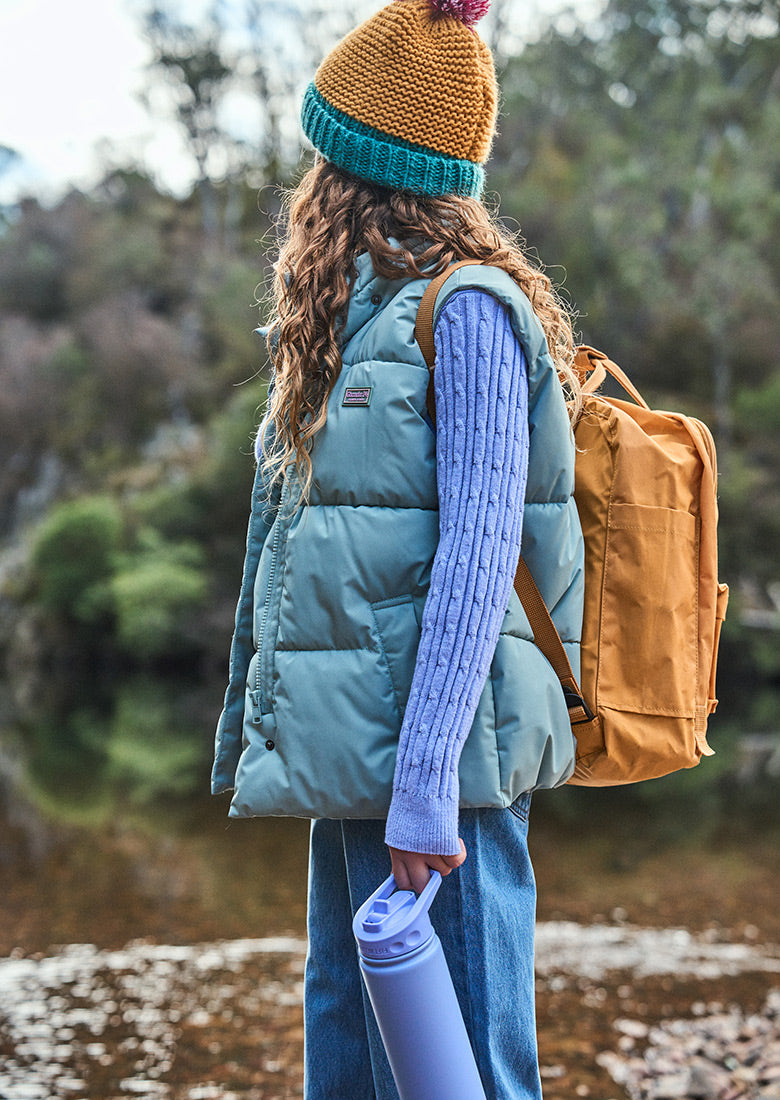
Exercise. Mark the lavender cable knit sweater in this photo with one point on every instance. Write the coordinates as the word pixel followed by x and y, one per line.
pixel 482 462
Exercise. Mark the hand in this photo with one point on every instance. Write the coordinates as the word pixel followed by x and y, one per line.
pixel 412 870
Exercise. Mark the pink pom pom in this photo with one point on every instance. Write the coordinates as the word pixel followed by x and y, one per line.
pixel 468 11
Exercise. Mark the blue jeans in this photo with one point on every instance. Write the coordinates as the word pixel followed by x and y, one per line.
pixel 484 915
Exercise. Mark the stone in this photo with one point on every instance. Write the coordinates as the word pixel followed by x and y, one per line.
pixel 637 1029
pixel 669 1086
pixel 715 1054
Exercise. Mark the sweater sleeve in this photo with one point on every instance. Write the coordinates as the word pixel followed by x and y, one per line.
pixel 481 386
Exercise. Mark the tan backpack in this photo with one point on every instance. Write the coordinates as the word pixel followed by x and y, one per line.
pixel 645 488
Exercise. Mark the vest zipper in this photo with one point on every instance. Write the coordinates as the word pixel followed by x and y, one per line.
pixel 256 695
pixel 257 707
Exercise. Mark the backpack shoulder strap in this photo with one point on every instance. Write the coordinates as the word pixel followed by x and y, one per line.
pixel 423 329
pixel 546 637
pixel 548 640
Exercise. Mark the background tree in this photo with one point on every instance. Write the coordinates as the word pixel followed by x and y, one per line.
pixel 189 58
pixel 638 151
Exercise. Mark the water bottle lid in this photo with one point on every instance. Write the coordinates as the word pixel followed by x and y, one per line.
pixel 393 922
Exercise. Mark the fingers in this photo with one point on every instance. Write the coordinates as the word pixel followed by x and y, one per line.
pixel 419 874
pixel 455 861
pixel 400 873
pixel 412 870
pixel 401 876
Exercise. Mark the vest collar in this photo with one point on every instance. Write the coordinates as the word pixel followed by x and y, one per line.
pixel 370 294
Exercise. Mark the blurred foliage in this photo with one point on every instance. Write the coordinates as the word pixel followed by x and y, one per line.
pixel 158 593
pixel 639 150
pixel 148 752
pixel 137 746
pixel 72 553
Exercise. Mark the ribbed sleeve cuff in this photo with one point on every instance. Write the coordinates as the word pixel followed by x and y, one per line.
pixel 417 823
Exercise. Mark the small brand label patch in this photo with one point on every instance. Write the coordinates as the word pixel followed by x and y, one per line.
pixel 359 397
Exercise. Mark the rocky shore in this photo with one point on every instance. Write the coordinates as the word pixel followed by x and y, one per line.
pixel 222 1021
pixel 717 1054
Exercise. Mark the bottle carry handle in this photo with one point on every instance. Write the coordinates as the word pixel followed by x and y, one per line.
pixel 392 922
pixel 389 887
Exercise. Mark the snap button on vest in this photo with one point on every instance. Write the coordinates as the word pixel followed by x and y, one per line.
pixel 376 299
pixel 270 744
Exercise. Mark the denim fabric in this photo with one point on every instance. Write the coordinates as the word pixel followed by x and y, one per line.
pixel 484 915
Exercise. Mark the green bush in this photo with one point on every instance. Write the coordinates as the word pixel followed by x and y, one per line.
pixel 155 593
pixel 73 553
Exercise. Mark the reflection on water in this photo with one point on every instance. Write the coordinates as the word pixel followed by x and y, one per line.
pixel 96 1023
pixel 207 878
pixel 159 952
pixel 102 994
pixel 111 835
pixel 142 741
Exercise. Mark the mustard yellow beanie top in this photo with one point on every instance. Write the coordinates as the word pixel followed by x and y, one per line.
pixel 408 99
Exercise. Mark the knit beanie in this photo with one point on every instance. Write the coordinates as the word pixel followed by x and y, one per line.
pixel 408 99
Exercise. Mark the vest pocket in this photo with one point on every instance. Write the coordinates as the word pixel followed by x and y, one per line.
pixel 398 637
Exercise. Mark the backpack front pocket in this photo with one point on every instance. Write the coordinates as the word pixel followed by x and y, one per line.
pixel 647 641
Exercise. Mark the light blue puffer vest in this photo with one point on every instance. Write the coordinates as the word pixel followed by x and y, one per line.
pixel 328 620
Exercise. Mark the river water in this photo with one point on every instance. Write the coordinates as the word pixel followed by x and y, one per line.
pixel 163 958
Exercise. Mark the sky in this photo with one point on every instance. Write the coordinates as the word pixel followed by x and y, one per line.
pixel 70 74
pixel 70 78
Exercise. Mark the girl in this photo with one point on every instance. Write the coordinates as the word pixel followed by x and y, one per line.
pixel 384 680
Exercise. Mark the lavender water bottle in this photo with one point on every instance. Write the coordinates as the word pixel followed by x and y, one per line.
pixel 412 995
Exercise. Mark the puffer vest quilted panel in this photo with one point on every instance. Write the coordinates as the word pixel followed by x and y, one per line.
pixel 329 617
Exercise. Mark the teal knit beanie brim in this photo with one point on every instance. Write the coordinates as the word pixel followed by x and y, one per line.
pixel 383 158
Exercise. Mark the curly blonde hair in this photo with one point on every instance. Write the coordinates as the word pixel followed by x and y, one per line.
pixel 330 218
